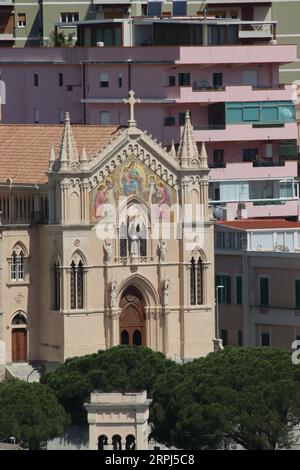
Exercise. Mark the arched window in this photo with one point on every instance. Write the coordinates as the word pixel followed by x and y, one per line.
pixel 196 282
pixel 137 338
pixel 130 442
pixel 124 337
pixel 21 266
pixel 17 264
pixel 77 285
pixel 56 286
pixel 102 442
pixel 199 282
pixel 192 282
pixel 19 319
pixel 117 442
pixel 13 266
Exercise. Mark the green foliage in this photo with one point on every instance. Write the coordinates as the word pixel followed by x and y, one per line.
pixel 249 396
pixel 30 412
pixel 122 368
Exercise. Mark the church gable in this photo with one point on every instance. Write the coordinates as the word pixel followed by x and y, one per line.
pixel 131 179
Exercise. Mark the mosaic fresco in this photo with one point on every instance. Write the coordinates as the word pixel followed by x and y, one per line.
pixel 131 178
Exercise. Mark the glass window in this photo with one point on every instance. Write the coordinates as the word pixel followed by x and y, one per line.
pixel 265 339
pixel 264 292
pixel 224 337
pixel 239 290
pixel 251 114
pixel 249 154
pixel 240 338
pixel 224 295
pixel 154 8
pixel 184 79
pixel 297 293
pixel 21 20
pixel 218 155
pixel 179 8
pixel 269 114
pixel 104 118
pixel 104 80
pixel 286 189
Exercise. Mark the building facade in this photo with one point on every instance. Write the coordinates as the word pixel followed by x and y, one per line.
pixel 219 60
pixel 257 262
pixel 87 262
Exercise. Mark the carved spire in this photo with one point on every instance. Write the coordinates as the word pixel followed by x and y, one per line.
pixel 188 152
pixel 84 157
pixel 51 157
pixel 203 156
pixel 173 151
pixel 68 150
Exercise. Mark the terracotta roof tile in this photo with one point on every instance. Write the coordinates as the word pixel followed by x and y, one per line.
pixel 260 224
pixel 25 149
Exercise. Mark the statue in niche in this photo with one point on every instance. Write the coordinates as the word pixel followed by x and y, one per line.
pixel 162 251
pixel 166 288
pixel 113 293
pixel 108 249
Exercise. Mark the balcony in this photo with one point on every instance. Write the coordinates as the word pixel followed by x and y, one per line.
pixel 234 132
pixel 257 30
pixel 249 170
pixel 276 316
pixel 277 208
pixel 215 94
pixel 238 132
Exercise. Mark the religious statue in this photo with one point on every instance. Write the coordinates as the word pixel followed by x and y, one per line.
pixel 113 293
pixel 108 249
pixel 166 288
pixel 162 250
pixel 134 246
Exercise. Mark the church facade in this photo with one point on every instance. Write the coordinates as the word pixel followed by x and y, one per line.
pixel 107 241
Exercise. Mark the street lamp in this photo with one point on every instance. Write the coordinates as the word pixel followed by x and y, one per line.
pixel 217 311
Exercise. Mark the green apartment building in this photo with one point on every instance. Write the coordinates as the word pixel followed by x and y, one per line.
pixel 287 14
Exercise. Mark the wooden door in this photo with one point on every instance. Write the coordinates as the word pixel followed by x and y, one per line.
pixel 19 345
pixel 132 319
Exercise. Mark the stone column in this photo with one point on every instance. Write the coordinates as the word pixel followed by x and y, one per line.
pixel 84 203
pixel 115 327
pixel 165 314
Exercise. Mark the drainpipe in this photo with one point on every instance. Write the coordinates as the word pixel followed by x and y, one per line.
pixel 84 93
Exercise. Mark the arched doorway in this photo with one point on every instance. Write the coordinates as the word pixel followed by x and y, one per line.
pixel 19 338
pixel 132 318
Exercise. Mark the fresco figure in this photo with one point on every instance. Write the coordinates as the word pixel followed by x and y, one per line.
pixel 164 199
pixel 100 200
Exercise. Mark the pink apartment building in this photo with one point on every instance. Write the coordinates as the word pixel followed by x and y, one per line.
pixel 224 70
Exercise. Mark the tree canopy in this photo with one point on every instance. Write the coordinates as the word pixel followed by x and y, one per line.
pixel 30 412
pixel 247 396
pixel 123 369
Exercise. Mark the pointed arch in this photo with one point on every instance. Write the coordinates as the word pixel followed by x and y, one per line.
pixel 77 280
pixel 143 285
pixel 77 256
pixel 197 274
pixel 17 261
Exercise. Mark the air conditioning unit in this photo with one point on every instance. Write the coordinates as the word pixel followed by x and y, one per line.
pixel 100 44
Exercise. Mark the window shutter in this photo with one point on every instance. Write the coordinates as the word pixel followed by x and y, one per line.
pixel 297 293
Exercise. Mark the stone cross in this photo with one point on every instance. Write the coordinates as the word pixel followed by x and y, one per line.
pixel 132 101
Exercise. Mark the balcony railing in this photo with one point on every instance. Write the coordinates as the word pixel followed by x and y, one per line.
pixel 209 88
pixel 268 162
pixel 204 87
